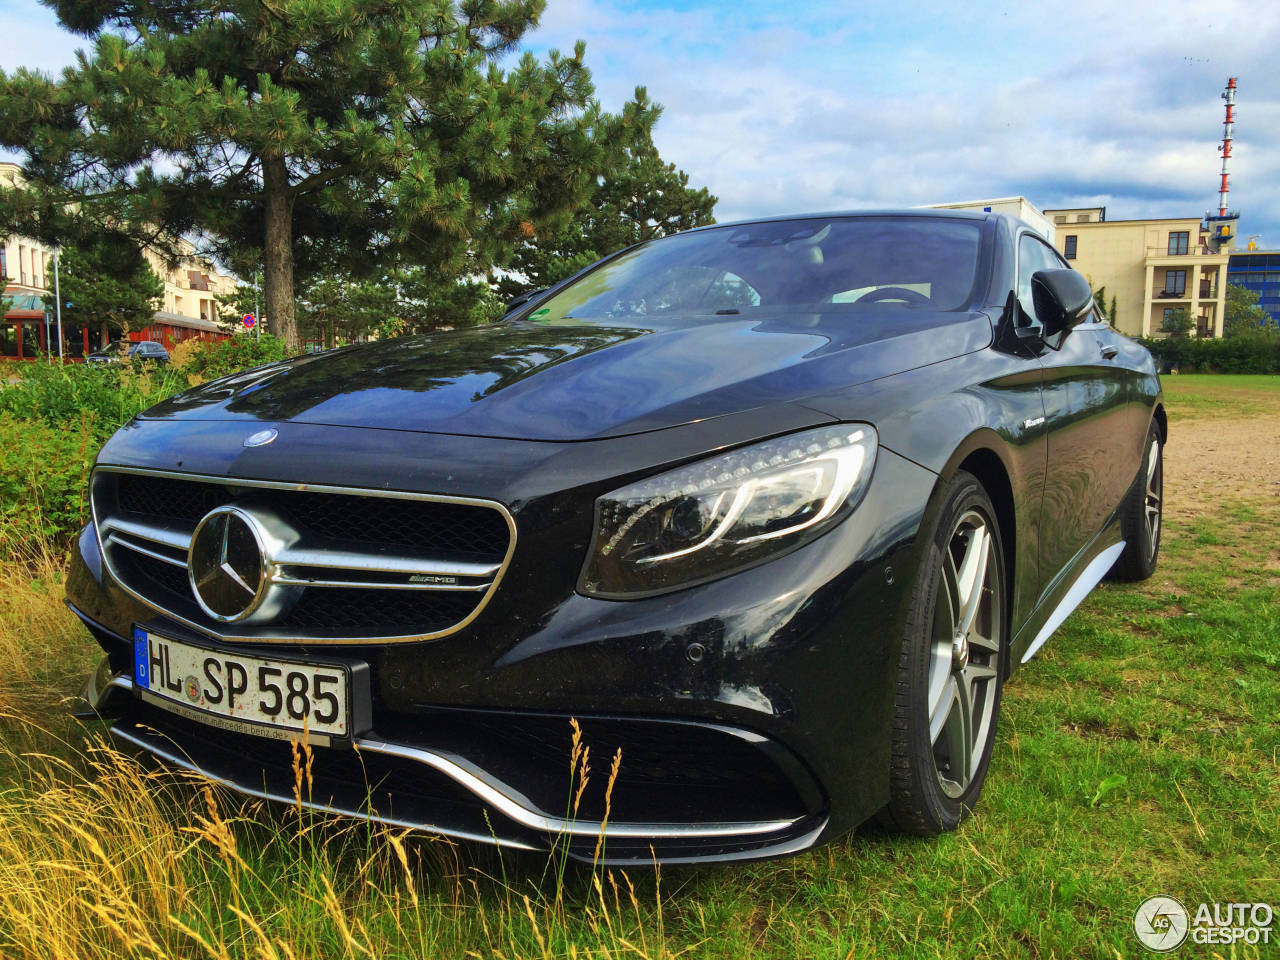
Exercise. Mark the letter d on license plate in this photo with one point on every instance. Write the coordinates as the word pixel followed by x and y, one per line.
pixel 265 696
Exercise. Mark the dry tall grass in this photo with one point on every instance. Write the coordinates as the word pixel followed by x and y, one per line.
pixel 103 856
pixel 41 641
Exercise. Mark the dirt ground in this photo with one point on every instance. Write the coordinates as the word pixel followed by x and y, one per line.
pixel 1213 461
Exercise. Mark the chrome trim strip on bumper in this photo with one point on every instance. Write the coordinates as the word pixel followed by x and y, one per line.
pixel 499 796
pixel 324 559
pixel 184 763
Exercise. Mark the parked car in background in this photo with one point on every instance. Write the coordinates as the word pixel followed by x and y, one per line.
pixel 772 508
pixel 132 349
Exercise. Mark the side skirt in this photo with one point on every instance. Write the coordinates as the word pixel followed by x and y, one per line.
pixel 1089 578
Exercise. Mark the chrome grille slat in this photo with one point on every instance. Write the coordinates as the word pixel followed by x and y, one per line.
pixel 380 563
pixel 169 536
pixel 153 529
pixel 381 584
pixel 138 548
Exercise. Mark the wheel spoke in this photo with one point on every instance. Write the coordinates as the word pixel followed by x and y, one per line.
pixel 959 734
pixel 940 710
pixel 951 590
pixel 1154 491
pixel 972 577
pixel 981 681
pixel 980 641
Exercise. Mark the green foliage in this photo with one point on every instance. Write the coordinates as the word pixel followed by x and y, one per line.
pixel 44 471
pixel 1179 322
pixel 636 198
pixel 53 419
pixel 336 309
pixel 316 135
pixel 105 280
pixel 1251 353
pixel 1243 316
pixel 110 394
pixel 243 351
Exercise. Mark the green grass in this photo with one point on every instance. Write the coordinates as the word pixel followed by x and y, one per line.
pixel 1137 755
pixel 1211 396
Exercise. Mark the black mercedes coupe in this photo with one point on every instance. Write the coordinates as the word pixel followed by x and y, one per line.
pixel 774 508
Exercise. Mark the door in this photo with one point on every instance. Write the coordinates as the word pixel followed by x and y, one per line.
pixel 1088 465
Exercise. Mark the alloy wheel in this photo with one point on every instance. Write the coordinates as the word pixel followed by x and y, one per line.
pixel 1155 489
pixel 964 660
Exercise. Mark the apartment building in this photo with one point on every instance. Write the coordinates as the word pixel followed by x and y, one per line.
pixel 1151 267
pixel 1019 207
pixel 1259 271
pixel 193 288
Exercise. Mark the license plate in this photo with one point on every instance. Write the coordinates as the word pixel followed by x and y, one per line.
pixel 269 697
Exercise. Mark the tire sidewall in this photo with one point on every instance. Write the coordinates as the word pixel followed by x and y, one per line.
pixel 942 812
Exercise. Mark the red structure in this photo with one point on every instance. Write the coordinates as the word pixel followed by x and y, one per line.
pixel 24 335
pixel 174 328
pixel 1228 128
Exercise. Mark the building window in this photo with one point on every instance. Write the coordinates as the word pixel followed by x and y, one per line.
pixel 4 265
pixel 1175 282
pixel 1059 219
pixel 1069 247
pixel 1082 218
pixel 1168 316
pixel 1178 242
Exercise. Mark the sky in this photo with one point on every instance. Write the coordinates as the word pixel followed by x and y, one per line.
pixel 795 107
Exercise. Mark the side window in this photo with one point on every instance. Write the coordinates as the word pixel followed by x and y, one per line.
pixel 1033 256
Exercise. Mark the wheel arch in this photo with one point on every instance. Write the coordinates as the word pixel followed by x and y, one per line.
pixel 980 456
pixel 1162 421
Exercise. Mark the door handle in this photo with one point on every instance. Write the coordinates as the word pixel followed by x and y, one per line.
pixel 1109 351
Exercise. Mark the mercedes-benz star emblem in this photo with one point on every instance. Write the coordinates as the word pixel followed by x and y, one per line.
pixel 226 564
pixel 261 438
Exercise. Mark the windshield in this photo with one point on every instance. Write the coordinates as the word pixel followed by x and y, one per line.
pixel 815 265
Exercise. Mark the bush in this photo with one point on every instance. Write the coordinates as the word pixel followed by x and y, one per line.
pixel 1244 353
pixel 53 419
pixel 241 352
pixel 44 472
pixel 58 395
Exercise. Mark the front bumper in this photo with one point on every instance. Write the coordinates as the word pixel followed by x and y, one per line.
pixel 437 786
pixel 773 738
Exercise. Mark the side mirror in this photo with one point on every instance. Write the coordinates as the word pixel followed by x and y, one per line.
pixel 1063 299
pixel 524 298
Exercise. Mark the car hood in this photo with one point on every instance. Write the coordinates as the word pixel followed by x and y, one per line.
pixel 584 380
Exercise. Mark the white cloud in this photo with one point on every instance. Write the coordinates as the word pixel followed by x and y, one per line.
pixel 1102 100
pixel 835 105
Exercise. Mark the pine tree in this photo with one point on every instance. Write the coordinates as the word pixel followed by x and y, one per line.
pixel 107 285
pixel 637 197
pixel 312 135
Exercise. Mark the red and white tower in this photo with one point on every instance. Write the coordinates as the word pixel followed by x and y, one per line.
pixel 1228 126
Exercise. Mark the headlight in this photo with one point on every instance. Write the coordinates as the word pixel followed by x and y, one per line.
pixel 727 512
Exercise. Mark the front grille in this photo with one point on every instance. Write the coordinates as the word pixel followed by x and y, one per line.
pixel 356 566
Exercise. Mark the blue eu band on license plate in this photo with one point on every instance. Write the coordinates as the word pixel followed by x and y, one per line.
pixel 141 661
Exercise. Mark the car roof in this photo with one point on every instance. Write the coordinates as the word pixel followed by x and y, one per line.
pixel 914 212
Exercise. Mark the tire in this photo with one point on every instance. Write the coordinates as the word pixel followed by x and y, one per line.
pixel 948 697
pixel 1142 515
